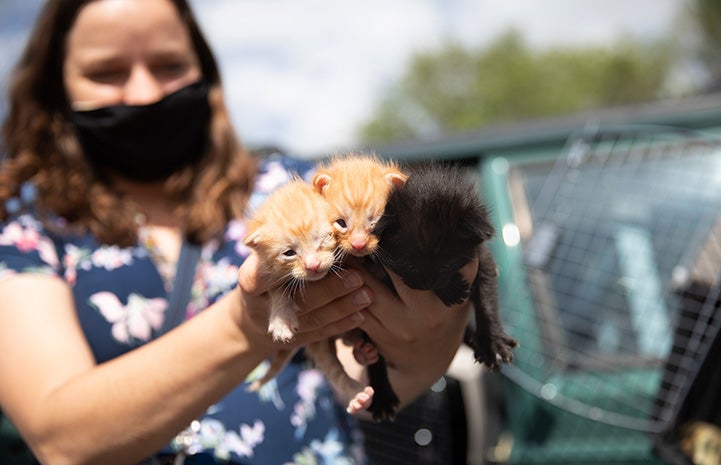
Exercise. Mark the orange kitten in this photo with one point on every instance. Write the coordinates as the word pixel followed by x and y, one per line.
pixel 357 187
pixel 293 235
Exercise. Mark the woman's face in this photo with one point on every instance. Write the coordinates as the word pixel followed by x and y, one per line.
pixel 131 52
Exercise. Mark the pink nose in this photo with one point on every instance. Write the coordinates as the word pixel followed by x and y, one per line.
pixel 312 265
pixel 358 243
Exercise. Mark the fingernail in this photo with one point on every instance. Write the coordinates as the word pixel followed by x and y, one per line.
pixel 361 298
pixel 357 317
pixel 352 280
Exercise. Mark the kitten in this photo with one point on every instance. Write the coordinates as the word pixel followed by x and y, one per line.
pixel 292 233
pixel 357 187
pixel 434 225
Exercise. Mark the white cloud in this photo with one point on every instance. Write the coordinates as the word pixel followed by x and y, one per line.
pixel 305 73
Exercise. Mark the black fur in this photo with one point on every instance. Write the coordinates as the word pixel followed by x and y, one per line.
pixel 431 228
pixel 385 400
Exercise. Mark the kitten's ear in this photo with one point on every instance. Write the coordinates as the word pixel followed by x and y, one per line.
pixel 253 237
pixel 321 181
pixel 396 178
pixel 479 226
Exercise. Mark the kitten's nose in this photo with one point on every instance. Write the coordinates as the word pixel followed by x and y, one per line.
pixel 358 242
pixel 312 264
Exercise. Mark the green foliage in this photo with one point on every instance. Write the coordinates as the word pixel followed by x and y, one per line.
pixel 457 89
pixel 706 16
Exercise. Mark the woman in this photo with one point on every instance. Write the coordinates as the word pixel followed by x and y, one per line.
pixel 120 162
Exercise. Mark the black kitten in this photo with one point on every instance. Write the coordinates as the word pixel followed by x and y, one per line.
pixel 433 226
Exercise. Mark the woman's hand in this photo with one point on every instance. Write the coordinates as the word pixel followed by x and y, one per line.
pixel 415 332
pixel 326 308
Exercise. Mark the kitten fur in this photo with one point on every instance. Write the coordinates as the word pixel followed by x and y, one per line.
pixel 292 233
pixel 357 186
pixel 434 225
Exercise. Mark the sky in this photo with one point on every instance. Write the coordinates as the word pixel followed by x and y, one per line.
pixel 303 75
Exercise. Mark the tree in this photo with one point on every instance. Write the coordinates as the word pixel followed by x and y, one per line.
pixel 705 16
pixel 456 89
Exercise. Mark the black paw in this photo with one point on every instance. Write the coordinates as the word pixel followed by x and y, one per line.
pixel 455 292
pixel 385 401
pixel 496 351
pixel 384 405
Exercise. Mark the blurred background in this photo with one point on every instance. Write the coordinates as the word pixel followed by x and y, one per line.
pixel 318 76
pixel 593 130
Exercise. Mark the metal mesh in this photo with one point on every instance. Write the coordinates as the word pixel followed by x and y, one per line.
pixel 620 254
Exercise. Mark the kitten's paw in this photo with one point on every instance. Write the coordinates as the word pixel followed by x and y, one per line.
pixel 493 353
pixel 365 353
pixel 485 355
pixel 455 292
pixel 361 401
pixel 281 331
pixel 385 403
pixel 504 348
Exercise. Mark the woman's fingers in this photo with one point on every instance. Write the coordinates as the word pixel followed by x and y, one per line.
pixel 329 330
pixel 407 314
pixel 324 308
pixel 332 306
pixel 334 286
pixel 347 306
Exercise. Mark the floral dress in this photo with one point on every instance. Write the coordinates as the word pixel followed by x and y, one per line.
pixel 121 300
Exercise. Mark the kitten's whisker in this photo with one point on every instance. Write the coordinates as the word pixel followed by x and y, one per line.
pixel 300 289
pixel 339 255
pixel 338 261
pixel 289 287
pixel 336 269
pixel 381 256
pixel 278 282
pixel 284 290
pixel 293 288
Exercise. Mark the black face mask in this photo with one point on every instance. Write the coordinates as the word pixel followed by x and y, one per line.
pixel 147 143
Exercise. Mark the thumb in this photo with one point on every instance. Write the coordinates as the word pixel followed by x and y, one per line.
pixel 250 276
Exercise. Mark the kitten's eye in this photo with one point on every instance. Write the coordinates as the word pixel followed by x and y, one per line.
pixel 289 253
pixel 340 222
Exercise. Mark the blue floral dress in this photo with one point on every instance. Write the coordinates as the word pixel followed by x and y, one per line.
pixel 121 300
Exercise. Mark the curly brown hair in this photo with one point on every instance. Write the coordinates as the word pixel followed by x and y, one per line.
pixel 41 145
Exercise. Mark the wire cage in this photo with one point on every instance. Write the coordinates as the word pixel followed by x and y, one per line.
pixel 612 282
